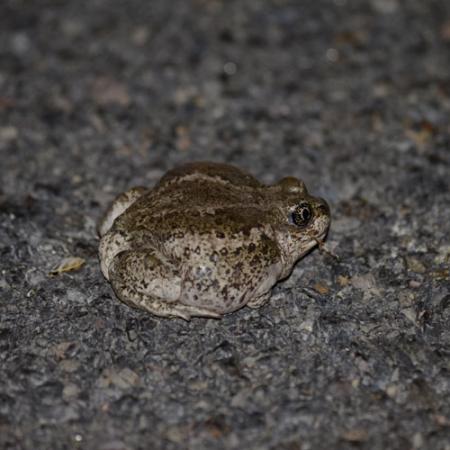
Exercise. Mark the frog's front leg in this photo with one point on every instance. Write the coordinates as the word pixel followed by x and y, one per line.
pixel 146 280
pixel 257 302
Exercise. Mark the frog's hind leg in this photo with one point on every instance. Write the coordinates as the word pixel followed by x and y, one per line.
pixel 117 207
pixel 143 279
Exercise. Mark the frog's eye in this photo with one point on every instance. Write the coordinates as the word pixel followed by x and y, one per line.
pixel 301 214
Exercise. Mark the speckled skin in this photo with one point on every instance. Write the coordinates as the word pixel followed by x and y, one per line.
pixel 206 240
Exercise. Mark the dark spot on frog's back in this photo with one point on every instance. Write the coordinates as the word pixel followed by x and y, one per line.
pixel 214 257
pixel 255 261
pixel 269 248
pixel 218 220
pixel 238 269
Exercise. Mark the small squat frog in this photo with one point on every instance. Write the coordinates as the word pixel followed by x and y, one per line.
pixel 207 239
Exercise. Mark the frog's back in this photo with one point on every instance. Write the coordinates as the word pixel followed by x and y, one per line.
pixel 204 187
pixel 212 171
pixel 200 198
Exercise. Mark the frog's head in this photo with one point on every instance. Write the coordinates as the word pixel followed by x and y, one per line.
pixel 306 218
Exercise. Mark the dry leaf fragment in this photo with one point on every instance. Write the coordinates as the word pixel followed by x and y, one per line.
pixel 355 435
pixel 108 91
pixel 68 265
pixel 321 288
pixel 343 280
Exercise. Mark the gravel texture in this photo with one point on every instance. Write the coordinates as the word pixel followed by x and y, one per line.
pixel 351 96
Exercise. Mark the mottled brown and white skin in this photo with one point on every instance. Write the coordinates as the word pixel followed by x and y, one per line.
pixel 207 239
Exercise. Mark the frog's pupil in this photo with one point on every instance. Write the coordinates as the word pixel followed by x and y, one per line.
pixel 305 214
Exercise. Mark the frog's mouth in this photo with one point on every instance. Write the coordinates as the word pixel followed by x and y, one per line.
pixel 321 237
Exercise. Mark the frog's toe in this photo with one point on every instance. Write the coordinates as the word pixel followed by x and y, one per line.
pixel 197 311
pixel 179 314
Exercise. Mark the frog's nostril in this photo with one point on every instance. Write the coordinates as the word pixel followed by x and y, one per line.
pixel 323 207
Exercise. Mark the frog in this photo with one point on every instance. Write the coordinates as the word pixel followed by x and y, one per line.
pixel 207 239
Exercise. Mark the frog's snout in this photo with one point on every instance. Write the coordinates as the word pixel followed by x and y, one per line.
pixel 322 207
